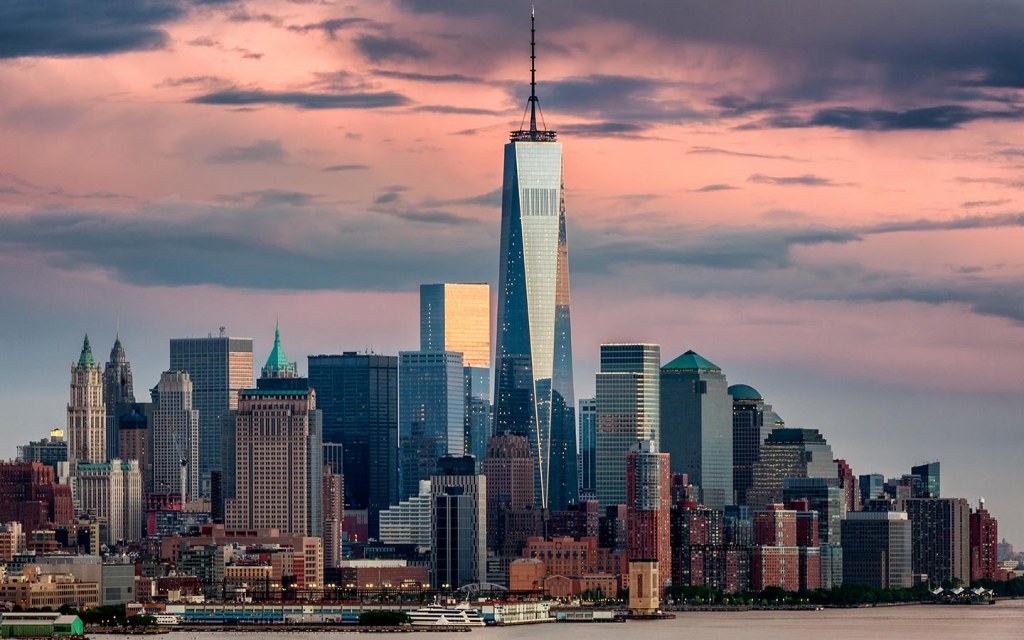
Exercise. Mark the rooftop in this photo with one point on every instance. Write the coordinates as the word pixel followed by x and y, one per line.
pixel 744 392
pixel 692 361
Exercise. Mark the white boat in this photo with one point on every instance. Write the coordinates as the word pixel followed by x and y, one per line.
pixel 167 619
pixel 444 616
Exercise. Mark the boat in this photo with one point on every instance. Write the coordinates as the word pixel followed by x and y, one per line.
pixel 437 615
pixel 167 619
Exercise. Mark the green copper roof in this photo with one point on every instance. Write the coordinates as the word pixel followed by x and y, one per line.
pixel 744 392
pixel 691 361
pixel 86 359
pixel 277 363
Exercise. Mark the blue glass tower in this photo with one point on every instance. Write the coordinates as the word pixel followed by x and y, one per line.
pixel 533 353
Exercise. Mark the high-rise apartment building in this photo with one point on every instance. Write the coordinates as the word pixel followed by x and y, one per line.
pixel 849 484
pixel 984 545
pixel 588 447
pixel 334 514
pixel 87 415
pixel 49 451
pixel 627 412
pixel 358 397
pixel 828 502
pixel 697 426
pixel 790 453
pixel 941 538
pixel 30 495
pixel 649 507
pixel 457 317
pixel 118 393
pixel 458 552
pixel 533 393
pixel 112 491
pixel 431 413
pixel 752 421
pixel 219 368
pixel 877 549
pixel 174 458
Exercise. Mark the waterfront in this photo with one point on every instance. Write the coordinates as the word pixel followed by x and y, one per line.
pixel 1003 621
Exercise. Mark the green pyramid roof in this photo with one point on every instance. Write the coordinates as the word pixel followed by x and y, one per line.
pixel 277 362
pixel 691 361
pixel 86 359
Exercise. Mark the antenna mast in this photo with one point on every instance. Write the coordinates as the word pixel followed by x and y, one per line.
pixel 533 71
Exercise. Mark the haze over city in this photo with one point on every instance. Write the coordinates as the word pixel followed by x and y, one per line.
pixel 821 198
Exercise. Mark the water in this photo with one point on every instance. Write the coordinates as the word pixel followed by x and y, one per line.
pixel 1003 621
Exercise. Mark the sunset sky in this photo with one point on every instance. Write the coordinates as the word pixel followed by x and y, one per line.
pixel 824 198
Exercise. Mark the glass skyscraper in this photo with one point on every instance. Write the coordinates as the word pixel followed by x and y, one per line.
pixel 533 369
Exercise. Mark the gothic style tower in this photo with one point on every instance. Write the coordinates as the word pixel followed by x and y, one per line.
pixel 87 415
pixel 118 394
pixel 533 356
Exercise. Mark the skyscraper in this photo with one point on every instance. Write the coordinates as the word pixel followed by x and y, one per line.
pixel 928 484
pixel 87 415
pixel 533 356
pixel 877 549
pixel 431 413
pixel 219 367
pixel 752 421
pixel 627 412
pixel 697 425
pixel 118 393
pixel 941 538
pixel 984 545
pixel 508 466
pixel 588 447
pixel 112 491
pixel 790 453
pixel 358 397
pixel 457 317
pixel 649 507
pixel 458 549
pixel 175 436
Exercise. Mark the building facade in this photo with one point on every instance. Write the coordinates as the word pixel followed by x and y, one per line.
pixel 752 421
pixel 588 447
pixel 458 549
pixel 219 368
pixel 118 393
pixel 112 492
pixel 627 402
pixel 697 425
pixel 175 454
pixel 649 508
pixel 877 549
pixel 87 415
pixel 941 538
pixel 789 453
pixel 358 397
pixel 431 413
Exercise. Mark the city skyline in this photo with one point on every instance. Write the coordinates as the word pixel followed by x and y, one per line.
pixel 838 290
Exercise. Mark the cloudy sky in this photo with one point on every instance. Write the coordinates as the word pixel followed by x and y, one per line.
pixel 821 197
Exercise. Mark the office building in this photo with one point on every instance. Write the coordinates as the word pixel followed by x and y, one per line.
pixel 752 421
pixel 49 451
pixel 118 394
pixel 87 415
pixel 588 447
pixel 533 393
pixel 30 495
pixel 358 397
pixel 627 412
pixel 927 480
pixel 697 426
pixel 112 492
pixel 941 538
pixel 508 466
pixel 849 484
pixel 877 549
pixel 828 504
pixel 649 508
pixel 408 522
pixel 458 549
pixel 278 463
pixel 457 317
pixel 134 440
pixel 790 453
pixel 431 413
pixel 872 486
pixel 219 368
pixel 175 431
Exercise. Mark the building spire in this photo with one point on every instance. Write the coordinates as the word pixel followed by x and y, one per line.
pixel 533 133
pixel 85 359
pixel 277 364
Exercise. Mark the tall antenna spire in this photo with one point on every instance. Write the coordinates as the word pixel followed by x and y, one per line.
pixel 533 70
pixel 533 134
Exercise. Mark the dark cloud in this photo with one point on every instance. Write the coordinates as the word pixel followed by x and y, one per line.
pixel 955 224
pixel 733 105
pixel 489 199
pixel 613 99
pixel 387 197
pixel 75 28
pixel 976 204
pixel 204 41
pixel 185 81
pixel 267 151
pixel 446 78
pixel 430 217
pixel 806 180
pixel 378 49
pixel 329 27
pixel 708 188
pixel 938 117
pixel 347 167
pixel 272 197
pixel 699 150
pixel 604 130
pixel 303 99
pixel 450 109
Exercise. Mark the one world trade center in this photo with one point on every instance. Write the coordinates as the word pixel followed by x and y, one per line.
pixel 533 348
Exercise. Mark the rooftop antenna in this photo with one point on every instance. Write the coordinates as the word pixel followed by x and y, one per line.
pixel 533 70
